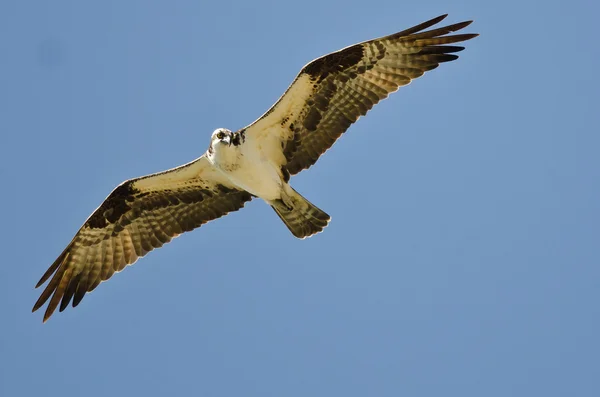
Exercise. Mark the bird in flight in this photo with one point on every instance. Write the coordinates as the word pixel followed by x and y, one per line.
pixel 326 97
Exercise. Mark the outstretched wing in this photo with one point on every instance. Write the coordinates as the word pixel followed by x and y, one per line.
pixel 138 216
pixel 332 92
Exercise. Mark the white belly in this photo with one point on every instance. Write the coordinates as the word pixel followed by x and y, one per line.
pixel 248 170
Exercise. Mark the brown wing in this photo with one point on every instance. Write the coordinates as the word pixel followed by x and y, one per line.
pixel 138 216
pixel 332 92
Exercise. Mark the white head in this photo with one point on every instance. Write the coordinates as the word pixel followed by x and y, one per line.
pixel 221 136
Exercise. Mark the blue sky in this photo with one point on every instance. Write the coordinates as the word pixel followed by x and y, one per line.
pixel 463 254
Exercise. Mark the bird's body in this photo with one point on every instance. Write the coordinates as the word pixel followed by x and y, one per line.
pixel 248 165
pixel 326 97
pixel 243 163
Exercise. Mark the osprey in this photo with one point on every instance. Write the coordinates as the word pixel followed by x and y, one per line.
pixel 326 97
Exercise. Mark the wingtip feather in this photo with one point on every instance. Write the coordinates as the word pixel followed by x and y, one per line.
pixel 421 26
pixel 61 259
pixel 459 26
pixel 48 273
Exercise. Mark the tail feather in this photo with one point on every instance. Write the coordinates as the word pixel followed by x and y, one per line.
pixel 300 216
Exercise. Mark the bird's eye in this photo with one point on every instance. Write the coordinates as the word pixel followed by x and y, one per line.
pixel 221 135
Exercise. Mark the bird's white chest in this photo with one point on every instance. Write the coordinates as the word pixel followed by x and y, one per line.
pixel 248 169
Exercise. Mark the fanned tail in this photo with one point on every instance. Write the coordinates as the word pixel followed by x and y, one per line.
pixel 301 217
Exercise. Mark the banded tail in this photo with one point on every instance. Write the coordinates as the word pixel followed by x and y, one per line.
pixel 300 216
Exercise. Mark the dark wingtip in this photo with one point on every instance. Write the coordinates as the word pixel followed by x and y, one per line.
pixel 442 49
pixel 460 25
pixel 49 310
pixel 433 21
pixel 46 317
pixel 39 303
pixel 469 36
pixel 78 296
pixel 447 58
pixel 61 258
pixel 69 291
pixel 48 273
pixel 420 27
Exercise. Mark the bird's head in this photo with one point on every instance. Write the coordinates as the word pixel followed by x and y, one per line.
pixel 221 136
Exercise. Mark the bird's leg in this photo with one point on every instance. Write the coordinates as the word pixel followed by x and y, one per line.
pixel 287 199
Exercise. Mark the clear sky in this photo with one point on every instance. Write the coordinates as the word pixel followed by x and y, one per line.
pixel 463 255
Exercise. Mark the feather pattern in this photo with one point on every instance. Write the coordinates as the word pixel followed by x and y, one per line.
pixel 138 216
pixel 332 92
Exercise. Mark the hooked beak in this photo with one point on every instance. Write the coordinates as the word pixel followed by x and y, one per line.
pixel 226 140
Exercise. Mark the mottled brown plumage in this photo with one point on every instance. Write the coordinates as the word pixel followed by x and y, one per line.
pixel 138 216
pixel 336 89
